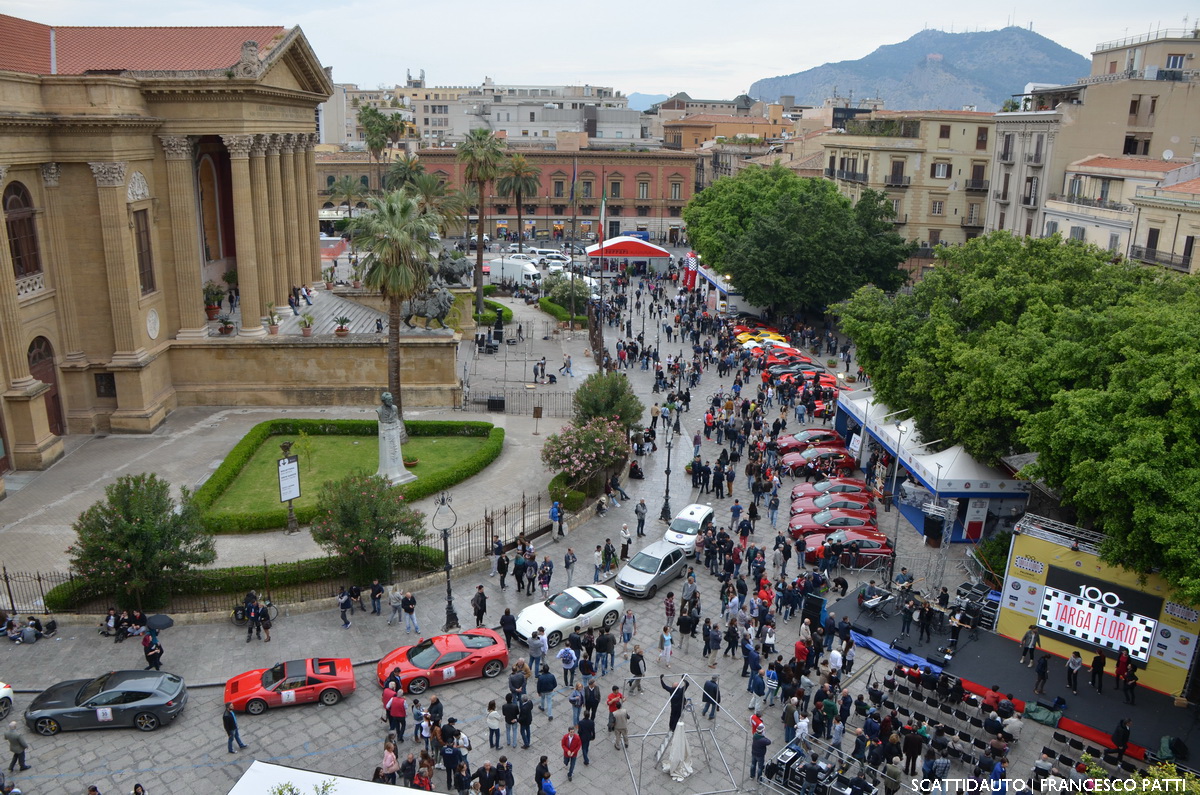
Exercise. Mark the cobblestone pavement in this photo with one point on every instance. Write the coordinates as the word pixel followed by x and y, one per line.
pixel 346 739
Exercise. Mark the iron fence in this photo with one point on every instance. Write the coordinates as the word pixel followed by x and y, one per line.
pixel 520 400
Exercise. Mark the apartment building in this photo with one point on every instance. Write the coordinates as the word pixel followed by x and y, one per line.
pixel 1141 98
pixel 693 132
pixel 932 165
pixel 1167 221
pixel 338 115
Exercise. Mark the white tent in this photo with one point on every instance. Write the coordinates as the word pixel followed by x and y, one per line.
pixel 261 776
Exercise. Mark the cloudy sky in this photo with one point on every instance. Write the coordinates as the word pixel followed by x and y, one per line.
pixel 709 48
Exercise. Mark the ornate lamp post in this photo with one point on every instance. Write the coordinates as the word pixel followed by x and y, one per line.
pixel 895 493
pixel 665 514
pixel 444 525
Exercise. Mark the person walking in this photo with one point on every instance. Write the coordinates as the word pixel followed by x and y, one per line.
pixel 376 598
pixel 1043 673
pixel 345 606
pixel 229 720
pixel 525 720
pixel 409 607
pixel 571 746
pixel 569 561
pixel 637 670
pixel 620 722
pixel 153 652
pixel 18 745
pixel 712 698
pixel 758 753
pixel 479 605
pixel 1030 642
pixel 1129 684
pixel 1120 738
pixel 1074 664
pixel 546 685
pixel 254 620
pixel 1098 663
pixel 395 597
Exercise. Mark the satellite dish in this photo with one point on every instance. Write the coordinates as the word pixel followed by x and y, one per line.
pixel 1168 154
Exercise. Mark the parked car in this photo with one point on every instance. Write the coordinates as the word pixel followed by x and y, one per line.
pixel 809 437
pixel 871 544
pixel 859 501
pixel 143 699
pixel 523 258
pixel 687 525
pixel 550 260
pixel 652 567
pixel 6 698
pixel 324 679
pixel 829 520
pixel 830 486
pixel 443 659
pixel 840 457
pixel 580 606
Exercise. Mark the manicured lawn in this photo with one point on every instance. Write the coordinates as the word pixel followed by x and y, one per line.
pixel 333 457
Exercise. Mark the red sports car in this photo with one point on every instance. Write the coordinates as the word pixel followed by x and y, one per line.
pixel 830 486
pixel 809 437
pixel 858 501
pixel 829 520
pixel 324 679
pixel 841 458
pixel 871 544
pixel 446 658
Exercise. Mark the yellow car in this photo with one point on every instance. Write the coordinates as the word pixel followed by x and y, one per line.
pixel 759 336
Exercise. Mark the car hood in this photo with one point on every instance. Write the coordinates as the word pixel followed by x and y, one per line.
pixel 242 684
pixel 59 696
pixel 634 577
pixel 529 620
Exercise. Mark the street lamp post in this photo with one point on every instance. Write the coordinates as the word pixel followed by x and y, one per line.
pixel 895 504
pixel 665 514
pixel 444 526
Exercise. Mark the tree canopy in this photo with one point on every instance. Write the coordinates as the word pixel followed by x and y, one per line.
pixel 790 242
pixel 608 395
pixel 1014 345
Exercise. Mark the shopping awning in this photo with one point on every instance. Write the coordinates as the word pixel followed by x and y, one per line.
pixel 624 246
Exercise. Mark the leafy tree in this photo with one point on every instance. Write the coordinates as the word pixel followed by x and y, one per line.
pixel 396 234
pixel 361 518
pixel 518 178
pixel 567 292
pixel 481 153
pixel 404 170
pixel 348 191
pixel 132 542
pixel 584 449
pixel 433 198
pixel 609 396
pixel 789 242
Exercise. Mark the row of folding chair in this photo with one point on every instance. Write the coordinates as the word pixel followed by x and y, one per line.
pixel 1078 747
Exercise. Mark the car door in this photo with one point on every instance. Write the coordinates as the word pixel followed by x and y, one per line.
pixel 589 613
pixel 100 711
pixel 671 567
pixel 291 690
pixel 448 668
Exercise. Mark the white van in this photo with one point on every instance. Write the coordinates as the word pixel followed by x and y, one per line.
pixel 692 521
pixel 515 270
pixel 539 253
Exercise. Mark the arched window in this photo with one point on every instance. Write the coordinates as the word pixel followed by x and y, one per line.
pixel 329 180
pixel 22 231
pixel 365 180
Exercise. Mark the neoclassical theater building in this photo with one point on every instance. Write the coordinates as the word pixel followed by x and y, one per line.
pixel 137 164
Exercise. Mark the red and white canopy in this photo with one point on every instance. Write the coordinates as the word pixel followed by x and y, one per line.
pixel 624 246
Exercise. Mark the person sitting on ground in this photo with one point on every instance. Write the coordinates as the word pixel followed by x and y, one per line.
pixel 13 630
pixel 635 471
pixel 36 625
pixel 108 624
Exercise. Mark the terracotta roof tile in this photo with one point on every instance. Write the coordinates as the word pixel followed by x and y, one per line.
pixel 723 118
pixel 1131 163
pixel 25 47
pixel 1191 186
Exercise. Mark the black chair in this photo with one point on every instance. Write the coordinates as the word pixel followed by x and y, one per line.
pixel 904 711
pixel 920 717
pixel 1060 738
pixel 946 710
pixel 976 722
pixel 1095 752
pixel 903 690
pixel 1076 744
pixel 1048 751
pixel 965 736
pixel 888 704
pixel 1066 760
pixel 961 715
pixel 1128 767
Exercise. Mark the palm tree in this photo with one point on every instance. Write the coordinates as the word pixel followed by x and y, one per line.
pixel 434 198
pixel 481 153
pixel 347 190
pixel 395 234
pixel 403 171
pixel 375 135
pixel 518 178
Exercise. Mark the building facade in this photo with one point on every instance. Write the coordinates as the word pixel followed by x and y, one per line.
pixel 932 165
pixel 1167 221
pixel 1141 98
pixel 137 164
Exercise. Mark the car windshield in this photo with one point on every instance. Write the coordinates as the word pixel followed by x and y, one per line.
pixel 644 562
pixel 685 526
pixel 272 675
pixel 564 605
pixel 823 501
pixel 92 688
pixel 423 655
pixel 822 517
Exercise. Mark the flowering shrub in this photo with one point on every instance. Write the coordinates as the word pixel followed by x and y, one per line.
pixel 136 538
pixel 583 450
pixel 361 518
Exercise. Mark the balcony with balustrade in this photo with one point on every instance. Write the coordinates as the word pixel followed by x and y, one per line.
pixel 1152 256
pixel 977 185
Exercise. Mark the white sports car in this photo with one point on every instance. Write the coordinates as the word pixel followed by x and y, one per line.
pixel 6 697
pixel 581 606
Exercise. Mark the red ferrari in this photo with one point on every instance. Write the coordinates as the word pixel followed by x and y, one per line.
pixel 858 501
pixel 446 658
pixel 830 486
pixel 829 520
pixel 840 457
pixel 809 437
pixel 324 679
pixel 871 544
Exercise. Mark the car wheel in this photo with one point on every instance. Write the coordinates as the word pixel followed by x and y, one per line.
pixel 653 590
pixel 611 618
pixel 256 707
pixel 146 721
pixel 553 639
pixel 330 697
pixel 493 669
pixel 5 707
pixel 418 686
pixel 47 727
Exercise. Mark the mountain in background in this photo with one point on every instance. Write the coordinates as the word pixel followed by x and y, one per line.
pixel 644 101
pixel 935 70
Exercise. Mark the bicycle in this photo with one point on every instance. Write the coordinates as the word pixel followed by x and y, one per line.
pixel 238 616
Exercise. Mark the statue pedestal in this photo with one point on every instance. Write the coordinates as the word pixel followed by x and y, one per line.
pixel 391 461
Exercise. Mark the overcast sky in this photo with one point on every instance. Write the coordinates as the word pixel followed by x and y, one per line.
pixel 709 48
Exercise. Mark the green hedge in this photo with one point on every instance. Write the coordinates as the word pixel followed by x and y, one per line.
pixel 571 499
pixel 560 313
pixel 489 318
pixel 489 289
pixel 275 518
pixel 239 579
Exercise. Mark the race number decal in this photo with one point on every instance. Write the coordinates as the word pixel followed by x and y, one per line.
pixel 104 714
pixel 288 696
pixel 448 672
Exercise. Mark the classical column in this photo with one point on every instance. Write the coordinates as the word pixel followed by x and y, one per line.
pixel 275 207
pixel 262 223
pixel 185 237
pixel 287 176
pixel 238 147
pixel 304 233
pixel 120 264
pixel 310 169
pixel 56 237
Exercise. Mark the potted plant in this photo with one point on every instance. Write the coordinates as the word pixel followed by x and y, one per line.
pixel 327 274
pixel 831 364
pixel 230 277
pixel 343 326
pixel 306 324
pixel 213 294
pixel 226 325
pixel 272 319
pixel 356 270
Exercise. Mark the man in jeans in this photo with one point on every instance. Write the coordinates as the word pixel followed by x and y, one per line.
pixel 409 605
pixel 639 511
pixel 546 685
